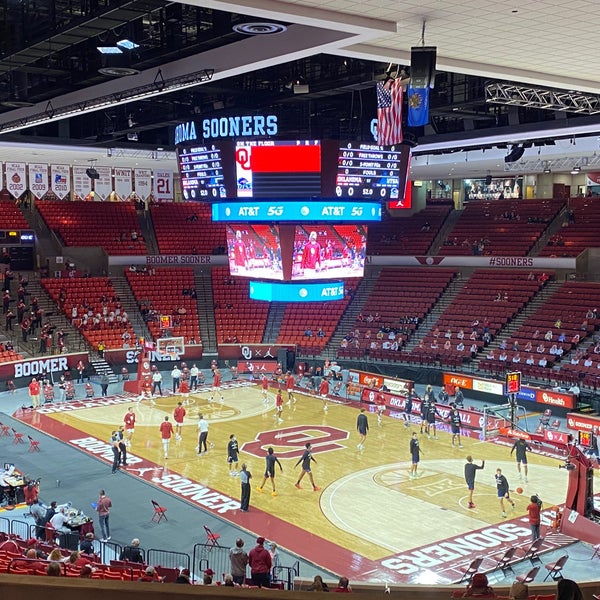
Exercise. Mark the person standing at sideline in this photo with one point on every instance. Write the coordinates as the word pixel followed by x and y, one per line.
pixel 194 378
pixel 306 459
pixel 245 477
pixel 238 558
pixel 34 392
pixel 176 377
pixel 233 455
pixel 271 461
pixel 122 445
pixel 166 431
pixel 362 426
pixel 521 446
pixel 470 469
pixel 534 509
pixel 156 383
pixel 455 423
pixel 260 563
pixel 203 434
pixel 289 384
pixel 104 381
pixel 503 490
pixel 103 507
pixel 129 420
pixel 408 405
pixel 178 415
pixel 114 444
pixel 415 454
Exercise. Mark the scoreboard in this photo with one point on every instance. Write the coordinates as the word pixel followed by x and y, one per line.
pixel 201 170
pixel 513 382
pixel 369 171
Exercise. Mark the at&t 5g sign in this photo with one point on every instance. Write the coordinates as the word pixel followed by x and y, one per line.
pixel 226 127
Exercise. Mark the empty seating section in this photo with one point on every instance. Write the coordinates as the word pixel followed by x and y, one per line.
pixel 106 224
pixel 487 302
pixel 401 298
pixel 411 236
pixel 237 318
pixel 187 228
pixel 99 317
pixel 505 227
pixel 298 318
pixel 581 231
pixel 168 292
pixel 11 217
pixel 8 355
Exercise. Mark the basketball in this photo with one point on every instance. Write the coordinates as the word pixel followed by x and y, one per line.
pixel 519 490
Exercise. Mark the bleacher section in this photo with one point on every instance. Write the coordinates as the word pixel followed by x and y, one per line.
pixel 487 301
pixel 99 316
pixel 187 228
pixel 237 318
pixel 500 228
pixel 106 224
pixel 11 217
pixel 400 300
pixel 580 232
pixel 169 292
pixel 319 317
pixel 412 236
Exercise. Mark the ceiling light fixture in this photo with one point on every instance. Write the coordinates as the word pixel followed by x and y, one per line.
pixel 127 44
pixel 109 50
pixel 575 170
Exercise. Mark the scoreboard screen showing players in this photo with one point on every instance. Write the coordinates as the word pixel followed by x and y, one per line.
pixel 328 251
pixel 297 292
pixel 370 171
pixel 254 251
pixel 278 169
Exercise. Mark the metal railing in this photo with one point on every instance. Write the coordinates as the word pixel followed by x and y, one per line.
pixel 168 559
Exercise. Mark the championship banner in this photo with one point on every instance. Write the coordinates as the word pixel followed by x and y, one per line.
pixel 82 184
pixel 16 182
pixel 59 180
pixel 143 183
pixel 123 183
pixel 163 186
pixel 38 179
pixel 103 185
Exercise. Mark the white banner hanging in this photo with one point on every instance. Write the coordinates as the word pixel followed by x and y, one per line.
pixel 16 183
pixel 60 182
pixel 163 186
pixel 123 183
pixel 38 179
pixel 143 183
pixel 82 184
pixel 103 185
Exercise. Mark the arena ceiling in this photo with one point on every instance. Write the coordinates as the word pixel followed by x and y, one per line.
pixel 193 61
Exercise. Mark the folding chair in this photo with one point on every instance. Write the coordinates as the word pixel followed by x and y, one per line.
pixel 4 430
pixel 471 570
pixel 504 561
pixel 50 533
pixel 212 539
pixel 555 568
pixel 529 576
pixel 34 445
pixel 545 418
pixel 18 437
pixel 596 551
pixel 159 512
pixel 533 553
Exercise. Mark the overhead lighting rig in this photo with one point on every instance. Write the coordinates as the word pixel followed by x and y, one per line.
pixel 529 97
pixel 157 87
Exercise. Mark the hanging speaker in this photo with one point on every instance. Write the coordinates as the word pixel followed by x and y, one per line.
pixel 422 66
pixel 488 180
pixel 515 154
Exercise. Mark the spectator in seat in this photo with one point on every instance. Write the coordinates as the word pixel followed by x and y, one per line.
pixel 87 544
pixel 530 360
pixel 150 575
pixel 528 347
pixel 541 349
pixel 548 336
pixel 503 356
pixel 543 362
pixel 479 587
pixel 518 591
pixel 132 552
pixel 566 589
pixel 318 585
pixel 343 586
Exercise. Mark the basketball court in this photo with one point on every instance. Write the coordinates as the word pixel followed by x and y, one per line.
pixel 369 520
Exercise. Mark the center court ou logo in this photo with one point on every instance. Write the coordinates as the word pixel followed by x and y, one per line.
pixel 290 442
pixel 246 352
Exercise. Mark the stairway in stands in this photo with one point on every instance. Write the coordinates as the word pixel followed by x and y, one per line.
pixel 274 321
pixel 130 305
pixel 206 314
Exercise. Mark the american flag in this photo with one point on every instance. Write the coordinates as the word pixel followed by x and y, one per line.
pixel 389 112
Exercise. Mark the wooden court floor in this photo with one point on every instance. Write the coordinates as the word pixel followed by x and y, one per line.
pixel 367 503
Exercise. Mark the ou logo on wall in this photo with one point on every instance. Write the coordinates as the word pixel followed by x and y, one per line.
pixel 290 442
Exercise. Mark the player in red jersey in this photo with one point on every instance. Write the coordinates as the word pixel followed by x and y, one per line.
pixel 240 254
pixel 290 382
pixel 129 420
pixel 311 253
pixel 217 386
pixel 279 405
pixel 184 390
pixel 324 391
pixel 178 415
pixel 166 431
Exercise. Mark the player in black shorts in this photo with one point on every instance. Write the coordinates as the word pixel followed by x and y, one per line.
pixel 455 423
pixel 306 459
pixel 232 455
pixel 408 405
pixel 521 446
pixel 503 490
pixel 271 460
pixel 415 455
